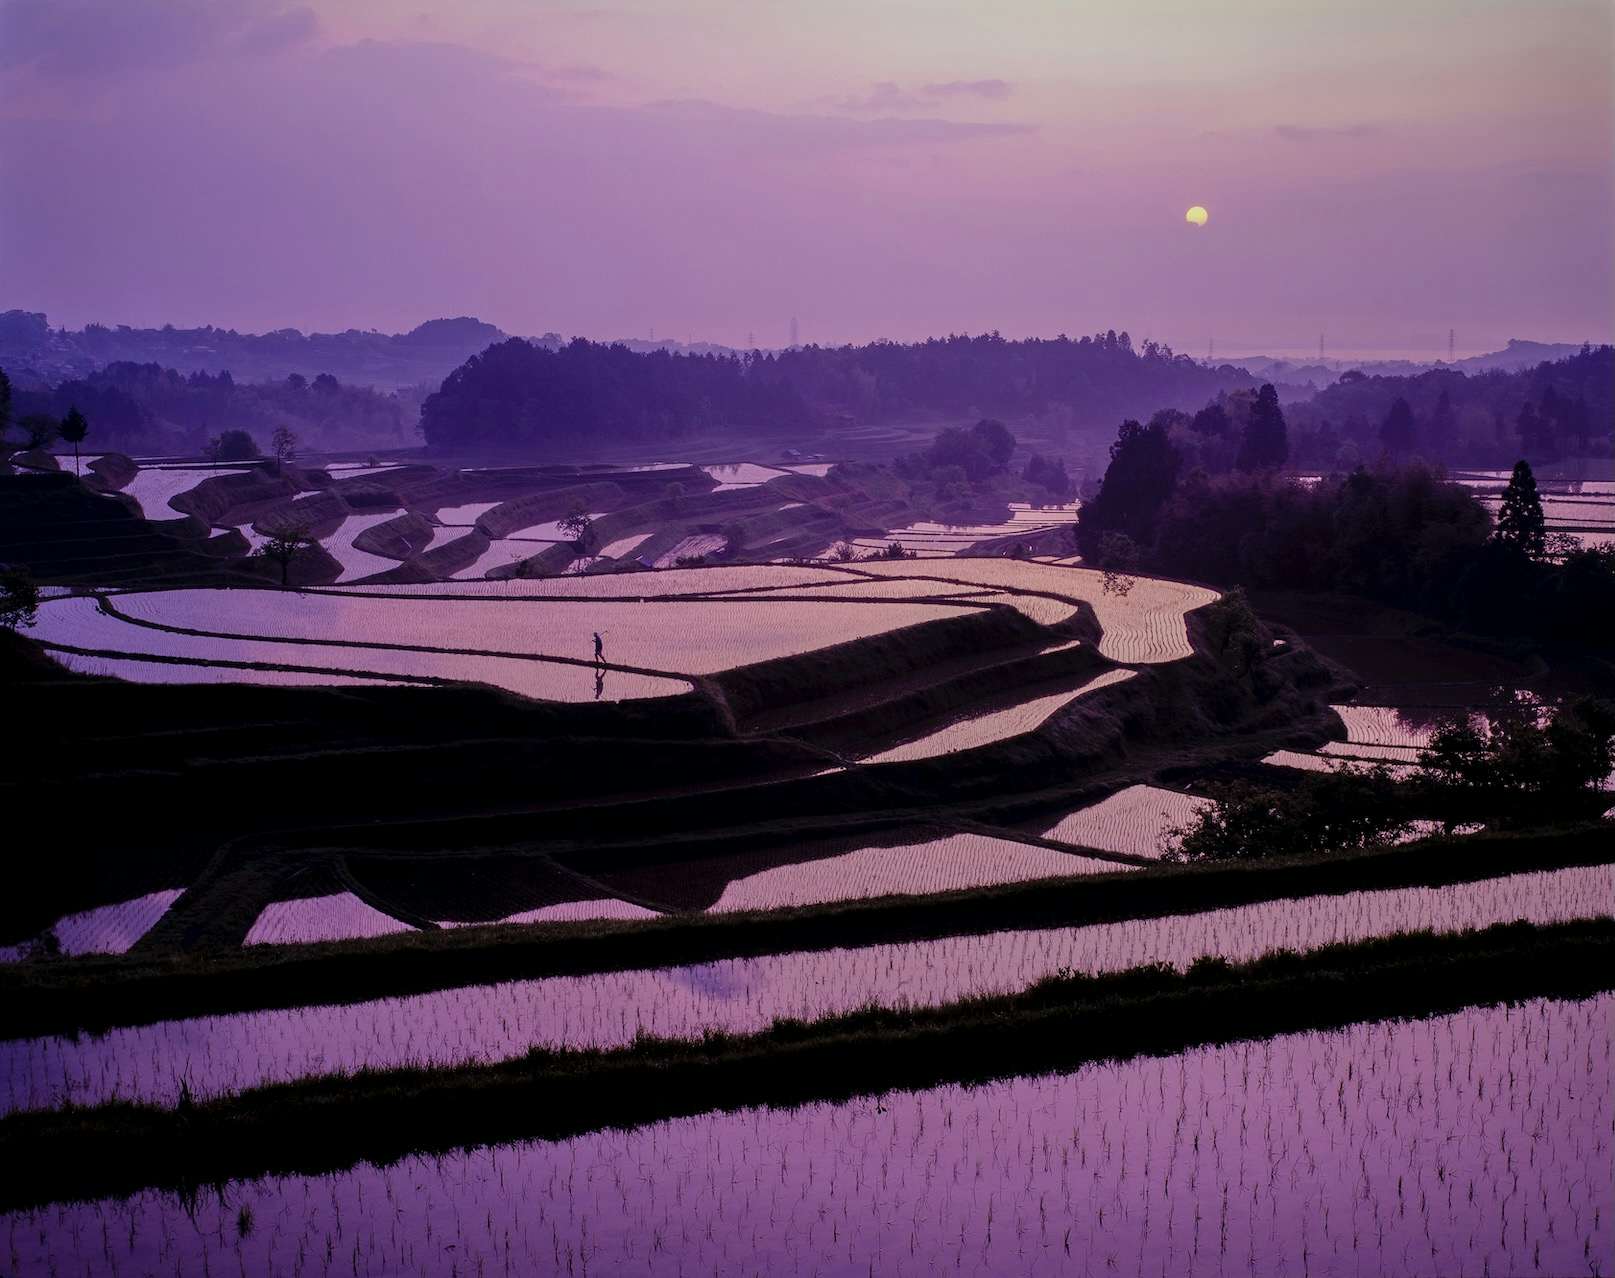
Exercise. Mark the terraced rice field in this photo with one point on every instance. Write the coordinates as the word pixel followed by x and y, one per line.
pixel 742 475
pixel 930 540
pixel 499 554
pixel 623 547
pixel 155 487
pixel 338 916
pixel 219 1054
pixel 1357 1149
pixel 1144 626
pixel 464 516
pixel 567 912
pixel 1382 726
pixel 106 929
pixel 939 865
pixel 1139 820
pixel 136 670
pixel 358 563
pixel 79 623
pixel 701 637
pixel 997 725
pixel 1324 762
pixel 691 548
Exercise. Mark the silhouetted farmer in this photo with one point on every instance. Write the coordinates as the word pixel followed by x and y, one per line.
pixel 599 649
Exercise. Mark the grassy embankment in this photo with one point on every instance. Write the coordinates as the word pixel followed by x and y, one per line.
pixel 330 1123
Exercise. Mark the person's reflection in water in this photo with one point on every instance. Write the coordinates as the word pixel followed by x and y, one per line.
pixel 599 682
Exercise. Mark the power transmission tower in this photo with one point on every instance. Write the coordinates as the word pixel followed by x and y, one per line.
pixel 1451 337
pixel 1320 348
pixel 794 332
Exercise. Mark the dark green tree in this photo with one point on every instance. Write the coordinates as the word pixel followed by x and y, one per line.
pixel 1266 445
pixel 1142 475
pixel 1520 522
pixel 5 405
pixel 1396 433
pixel 39 429
pixel 19 599
pixel 73 429
pixel 285 546
pixel 234 445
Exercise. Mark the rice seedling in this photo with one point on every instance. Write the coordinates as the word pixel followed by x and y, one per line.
pixel 487 1023
pixel 1473 1142
pixel 106 929
pixel 996 725
pixel 1142 820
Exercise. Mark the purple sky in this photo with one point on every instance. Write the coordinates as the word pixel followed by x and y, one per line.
pixel 1380 170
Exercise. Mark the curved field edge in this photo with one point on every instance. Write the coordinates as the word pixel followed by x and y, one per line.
pixel 93 993
pixel 330 1124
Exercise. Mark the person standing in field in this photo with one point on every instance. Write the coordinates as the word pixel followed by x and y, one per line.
pixel 599 650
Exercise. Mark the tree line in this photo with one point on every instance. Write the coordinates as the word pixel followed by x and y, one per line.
pixel 519 393
pixel 148 408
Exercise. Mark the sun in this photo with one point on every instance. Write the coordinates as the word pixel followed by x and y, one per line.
pixel 1196 216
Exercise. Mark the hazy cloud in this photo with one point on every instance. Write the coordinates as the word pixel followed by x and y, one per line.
pixel 993 90
pixel 887 96
pixel 99 37
pixel 1305 133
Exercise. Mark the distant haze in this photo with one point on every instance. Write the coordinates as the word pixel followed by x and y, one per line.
pixel 1381 171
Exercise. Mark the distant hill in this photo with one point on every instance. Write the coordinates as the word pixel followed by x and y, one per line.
pixel 518 394
pixel 33 353
pixel 1517 355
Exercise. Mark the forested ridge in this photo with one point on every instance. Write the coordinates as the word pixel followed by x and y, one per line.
pixel 517 393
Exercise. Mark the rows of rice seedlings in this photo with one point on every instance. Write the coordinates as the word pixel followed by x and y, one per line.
pixel 1383 726
pixel 701 637
pixel 155 487
pixel 464 516
pixel 996 725
pixel 1046 612
pixel 355 470
pixel 499 554
pixel 338 916
pixel 1142 626
pixel 1141 820
pixel 947 864
pixel 691 547
pixel 624 546
pixel 358 563
pixel 742 475
pixel 880 588
pixel 634 585
pixel 220 1054
pixel 136 670
pixel 78 622
pixel 565 912
pixel 1471 1143
pixel 1372 753
pixel 1307 762
pixel 105 929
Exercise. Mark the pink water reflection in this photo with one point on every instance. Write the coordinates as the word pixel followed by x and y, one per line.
pixel 1466 1144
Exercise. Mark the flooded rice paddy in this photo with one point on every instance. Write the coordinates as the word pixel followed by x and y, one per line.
pixel 155 487
pixel 996 725
pixel 106 929
pixel 219 1054
pixel 337 916
pixel 1141 820
pixel 700 637
pixel 1471 1143
pixel 79 623
pixel 1143 626
pixel 947 864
